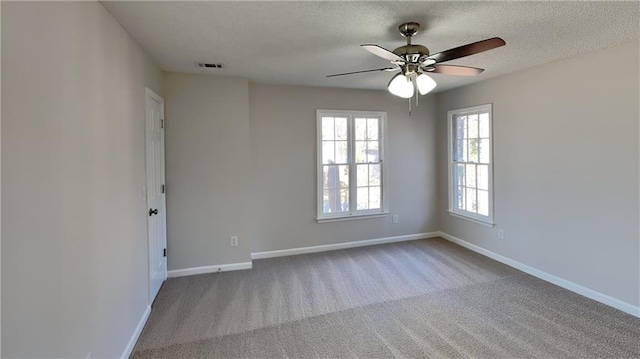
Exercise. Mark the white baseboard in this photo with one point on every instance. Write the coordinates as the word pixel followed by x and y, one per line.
pixel 344 245
pixel 294 251
pixel 208 269
pixel 584 291
pixel 134 337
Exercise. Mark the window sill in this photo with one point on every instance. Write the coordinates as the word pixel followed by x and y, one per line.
pixel 471 219
pixel 352 218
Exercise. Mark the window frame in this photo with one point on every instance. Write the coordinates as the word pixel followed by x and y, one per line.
pixel 353 212
pixel 453 210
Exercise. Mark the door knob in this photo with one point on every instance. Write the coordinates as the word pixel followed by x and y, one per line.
pixel 152 212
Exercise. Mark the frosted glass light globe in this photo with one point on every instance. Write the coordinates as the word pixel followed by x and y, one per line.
pixel 401 86
pixel 425 84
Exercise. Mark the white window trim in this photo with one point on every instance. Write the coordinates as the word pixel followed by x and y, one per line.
pixel 352 214
pixel 473 217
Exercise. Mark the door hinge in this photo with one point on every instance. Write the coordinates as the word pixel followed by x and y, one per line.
pixel 161 123
pixel 165 252
pixel 162 188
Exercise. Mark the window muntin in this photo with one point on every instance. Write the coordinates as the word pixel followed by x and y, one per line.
pixel 470 165
pixel 350 161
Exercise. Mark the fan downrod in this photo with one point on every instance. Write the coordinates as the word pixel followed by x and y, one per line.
pixel 410 52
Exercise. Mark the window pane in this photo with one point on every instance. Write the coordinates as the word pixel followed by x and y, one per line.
pixel 350 143
pixel 344 200
pixel 335 201
pixel 471 203
pixel 459 197
pixel 374 175
pixel 372 128
pixel 462 125
pixel 485 151
pixel 341 128
pixel 341 151
pixel 362 175
pixel 461 150
pixel 362 198
pixel 373 153
pixel 343 176
pixel 458 128
pixel 361 129
pixel 484 125
pixel 470 176
pixel 472 123
pixel 325 201
pixel 473 150
pixel 459 175
pixel 332 201
pixel 361 151
pixel 328 154
pixel 327 128
pixel 483 203
pixel 374 198
pixel 331 178
pixel 483 177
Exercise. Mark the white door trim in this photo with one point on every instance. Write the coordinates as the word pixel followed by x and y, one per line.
pixel 155 96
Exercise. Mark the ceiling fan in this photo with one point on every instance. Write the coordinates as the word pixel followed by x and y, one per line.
pixel 414 62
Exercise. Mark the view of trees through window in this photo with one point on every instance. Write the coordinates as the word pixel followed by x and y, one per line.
pixel 351 143
pixel 471 157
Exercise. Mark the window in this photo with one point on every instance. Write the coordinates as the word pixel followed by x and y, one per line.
pixel 351 166
pixel 470 164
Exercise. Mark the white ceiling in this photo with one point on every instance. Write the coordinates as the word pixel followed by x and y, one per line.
pixel 299 43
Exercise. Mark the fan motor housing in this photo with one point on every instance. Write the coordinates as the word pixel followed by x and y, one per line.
pixel 412 53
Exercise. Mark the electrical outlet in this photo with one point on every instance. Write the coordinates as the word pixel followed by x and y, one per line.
pixel 394 218
pixel 234 241
pixel 500 233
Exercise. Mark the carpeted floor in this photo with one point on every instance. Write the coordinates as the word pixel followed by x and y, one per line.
pixel 418 299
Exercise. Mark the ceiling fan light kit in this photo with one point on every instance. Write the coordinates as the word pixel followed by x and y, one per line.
pixel 413 61
pixel 404 86
pixel 401 86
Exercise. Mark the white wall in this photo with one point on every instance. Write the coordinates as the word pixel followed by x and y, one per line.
pixel 207 161
pixel 74 259
pixel 283 166
pixel 566 169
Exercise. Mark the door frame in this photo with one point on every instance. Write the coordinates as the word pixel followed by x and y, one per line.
pixel 154 96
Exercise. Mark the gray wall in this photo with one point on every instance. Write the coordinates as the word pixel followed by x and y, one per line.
pixel 207 161
pixel 74 258
pixel 283 166
pixel 241 161
pixel 566 169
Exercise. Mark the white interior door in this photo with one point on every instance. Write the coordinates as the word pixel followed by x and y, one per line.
pixel 156 205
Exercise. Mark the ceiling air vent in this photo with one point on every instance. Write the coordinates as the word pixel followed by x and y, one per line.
pixel 208 65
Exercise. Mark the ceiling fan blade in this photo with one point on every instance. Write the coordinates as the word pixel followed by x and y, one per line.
pixel 456 70
pixel 466 50
pixel 382 52
pixel 359 72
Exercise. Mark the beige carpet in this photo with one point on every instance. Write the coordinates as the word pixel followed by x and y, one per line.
pixel 419 299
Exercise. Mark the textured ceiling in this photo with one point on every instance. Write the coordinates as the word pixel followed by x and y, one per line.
pixel 298 43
